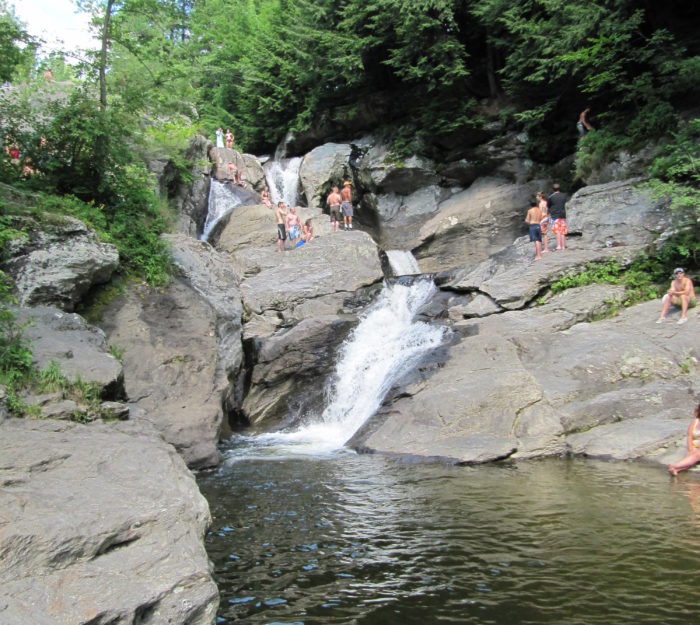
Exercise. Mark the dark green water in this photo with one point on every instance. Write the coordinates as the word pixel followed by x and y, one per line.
pixel 370 540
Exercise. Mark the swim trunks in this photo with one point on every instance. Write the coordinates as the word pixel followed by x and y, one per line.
pixel 346 208
pixel 535 232
pixel 335 212
pixel 543 224
pixel 294 232
pixel 281 232
pixel 559 226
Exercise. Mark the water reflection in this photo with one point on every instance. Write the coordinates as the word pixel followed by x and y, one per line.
pixel 363 539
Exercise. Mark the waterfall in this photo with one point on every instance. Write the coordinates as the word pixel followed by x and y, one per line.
pixel 221 202
pixel 387 344
pixel 402 263
pixel 283 180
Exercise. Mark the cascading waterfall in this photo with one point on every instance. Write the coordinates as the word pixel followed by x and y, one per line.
pixel 221 202
pixel 282 178
pixel 402 263
pixel 387 344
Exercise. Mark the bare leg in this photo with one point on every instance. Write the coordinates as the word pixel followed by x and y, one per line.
pixel 538 250
pixel 545 244
pixel 666 299
pixel 690 460
pixel 684 306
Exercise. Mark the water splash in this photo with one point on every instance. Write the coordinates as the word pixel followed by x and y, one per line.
pixel 387 344
pixel 221 202
pixel 403 263
pixel 283 180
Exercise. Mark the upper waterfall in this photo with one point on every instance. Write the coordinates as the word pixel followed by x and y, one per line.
pixel 221 203
pixel 402 262
pixel 283 180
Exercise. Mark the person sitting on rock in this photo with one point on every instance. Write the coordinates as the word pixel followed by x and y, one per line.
pixel 693 445
pixel 265 198
pixel 307 231
pixel 681 293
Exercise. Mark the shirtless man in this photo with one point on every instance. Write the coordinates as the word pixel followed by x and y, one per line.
pixel 346 205
pixel 681 293
pixel 334 201
pixel 281 215
pixel 293 225
pixel 533 219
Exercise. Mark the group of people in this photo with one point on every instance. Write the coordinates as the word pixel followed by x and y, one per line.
pixel 340 203
pixel 222 137
pixel 289 226
pixel 543 214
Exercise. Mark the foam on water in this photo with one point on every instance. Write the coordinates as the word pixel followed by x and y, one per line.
pixel 221 202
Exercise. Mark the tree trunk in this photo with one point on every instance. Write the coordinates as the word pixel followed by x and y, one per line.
pixel 103 56
pixel 491 71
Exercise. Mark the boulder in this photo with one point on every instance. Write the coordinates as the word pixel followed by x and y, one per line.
pixel 325 164
pixel 290 369
pixel 100 524
pixel 253 173
pixel 473 224
pixel 58 263
pixel 191 199
pixel 173 375
pixel 314 279
pixel 79 349
pixel 382 171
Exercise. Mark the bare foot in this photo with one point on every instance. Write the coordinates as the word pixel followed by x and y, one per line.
pixel 672 470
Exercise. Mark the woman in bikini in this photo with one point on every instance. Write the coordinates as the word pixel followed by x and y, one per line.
pixel 693 445
pixel 542 201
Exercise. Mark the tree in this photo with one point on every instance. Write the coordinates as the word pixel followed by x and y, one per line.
pixel 14 39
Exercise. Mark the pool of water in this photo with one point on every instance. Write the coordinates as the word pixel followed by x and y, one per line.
pixel 346 538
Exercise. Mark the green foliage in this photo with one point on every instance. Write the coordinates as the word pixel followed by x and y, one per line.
pixel 16 46
pixel 15 351
pixel 637 279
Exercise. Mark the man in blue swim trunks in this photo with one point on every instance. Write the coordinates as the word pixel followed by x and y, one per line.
pixel 533 218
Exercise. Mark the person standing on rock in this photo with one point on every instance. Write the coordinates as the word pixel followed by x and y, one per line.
pixel 533 218
pixel 293 225
pixel 219 137
pixel 582 125
pixel 693 445
pixel 544 222
pixel 281 215
pixel 334 200
pixel 556 203
pixel 346 205
pixel 229 138
pixel 681 293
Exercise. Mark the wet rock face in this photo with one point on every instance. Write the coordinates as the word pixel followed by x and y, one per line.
pixel 326 163
pixel 100 524
pixel 57 264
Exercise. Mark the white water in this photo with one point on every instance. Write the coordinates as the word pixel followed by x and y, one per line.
pixel 402 263
pixel 282 178
pixel 221 202
pixel 386 344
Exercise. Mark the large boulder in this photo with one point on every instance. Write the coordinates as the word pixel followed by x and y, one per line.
pixel 58 262
pixel 473 224
pixel 78 348
pixel 381 171
pixel 326 163
pixel 192 198
pixel 253 172
pixel 168 338
pixel 100 524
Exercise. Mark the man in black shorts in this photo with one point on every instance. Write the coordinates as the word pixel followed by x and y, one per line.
pixel 281 215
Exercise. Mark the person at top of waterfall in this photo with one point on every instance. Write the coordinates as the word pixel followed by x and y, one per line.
pixel 229 138
pixel 532 219
pixel 265 197
pixel 219 137
pixel 293 225
pixel 582 125
pixel 556 203
pixel 681 293
pixel 346 205
pixel 692 457
pixel 334 200
pixel 281 216
pixel 544 222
